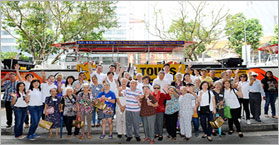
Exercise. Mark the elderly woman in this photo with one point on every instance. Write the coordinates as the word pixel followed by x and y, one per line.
pixel 186 110
pixel 68 107
pixel 161 98
pixel 52 103
pixel 96 89
pixel 59 84
pixel 85 106
pixel 171 112
pixel 219 98
pixel 120 110
pixel 106 114
pixel 148 105
pixel 178 82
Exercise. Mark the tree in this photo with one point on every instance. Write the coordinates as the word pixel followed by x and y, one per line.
pixel 204 28
pixel 275 37
pixel 9 55
pixel 39 24
pixel 236 26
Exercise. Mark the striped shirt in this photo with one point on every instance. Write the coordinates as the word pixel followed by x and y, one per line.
pixel 131 99
pixel 9 88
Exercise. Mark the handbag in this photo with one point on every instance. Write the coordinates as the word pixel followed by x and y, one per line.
pixel 78 123
pixel 227 112
pixel 100 104
pixel 217 123
pixel 45 124
pixel 206 109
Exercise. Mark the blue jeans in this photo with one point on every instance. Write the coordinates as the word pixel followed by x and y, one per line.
pixel 270 99
pixel 94 117
pixel 36 114
pixel 20 115
pixel 205 118
pixel 196 123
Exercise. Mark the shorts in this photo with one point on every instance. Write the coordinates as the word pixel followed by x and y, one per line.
pixel 101 115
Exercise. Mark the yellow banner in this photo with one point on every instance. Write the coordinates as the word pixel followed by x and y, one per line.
pixel 152 70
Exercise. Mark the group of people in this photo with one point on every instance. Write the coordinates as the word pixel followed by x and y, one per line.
pixel 176 101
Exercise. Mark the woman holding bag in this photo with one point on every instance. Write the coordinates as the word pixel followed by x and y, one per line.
pixel 231 100
pixel 68 107
pixel 206 100
pixel 52 112
pixel 85 107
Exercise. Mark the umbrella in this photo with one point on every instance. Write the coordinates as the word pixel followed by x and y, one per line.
pixel 61 124
pixel 219 129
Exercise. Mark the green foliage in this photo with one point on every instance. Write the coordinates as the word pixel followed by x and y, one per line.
pixel 9 55
pixel 39 24
pixel 235 30
pixel 275 37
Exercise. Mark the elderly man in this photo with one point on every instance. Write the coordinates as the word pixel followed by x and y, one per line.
pixel 132 95
pixel 212 75
pixel 161 81
pixel 10 87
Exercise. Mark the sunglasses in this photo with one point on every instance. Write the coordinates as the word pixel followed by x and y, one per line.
pixel 156 88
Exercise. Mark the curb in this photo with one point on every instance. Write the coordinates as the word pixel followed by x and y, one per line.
pixel 225 128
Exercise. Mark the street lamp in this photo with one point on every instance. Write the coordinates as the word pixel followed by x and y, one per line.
pixel 246 54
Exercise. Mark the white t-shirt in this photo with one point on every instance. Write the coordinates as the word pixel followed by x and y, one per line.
pixel 231 99
pixel 27 85
pixel 20 102
pixel 162 84
pixel 168 77
pixel 139 85
pixel 245 89
pixel 36 98
pixel 113 87
pixel 101 77
pixel 46 89
pixel 205 100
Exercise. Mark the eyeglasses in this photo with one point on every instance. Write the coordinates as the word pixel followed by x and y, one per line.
pixel 156 88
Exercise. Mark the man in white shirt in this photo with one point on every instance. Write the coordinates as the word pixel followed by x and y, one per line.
pixel 256 92
pixel 115 70
pixel 168 76
pixel 161 81
pixel 46 87
pixel 99 73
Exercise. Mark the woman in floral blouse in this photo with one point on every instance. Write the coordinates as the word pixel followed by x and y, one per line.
pixel 85 106
pixel 171 112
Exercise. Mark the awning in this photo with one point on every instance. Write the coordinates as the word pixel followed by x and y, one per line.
pixel 123 46
pixel 270 48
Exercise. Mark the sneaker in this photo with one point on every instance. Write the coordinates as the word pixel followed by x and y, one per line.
pixel 248 122
pixel 119 136
pixel 258 120
pixel 36 136
pixel 239 120
pixel 138 138
pixel 110 136
pixel 30 137
pixel 26 126
pixel 20 137
pixel 102 136
pixel 275 117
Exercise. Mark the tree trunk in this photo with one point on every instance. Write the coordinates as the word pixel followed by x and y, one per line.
pixel 58 56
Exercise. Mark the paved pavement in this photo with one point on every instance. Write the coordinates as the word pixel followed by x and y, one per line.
pixel 263 137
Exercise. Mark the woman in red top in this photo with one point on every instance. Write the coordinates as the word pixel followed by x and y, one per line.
pixel 161 97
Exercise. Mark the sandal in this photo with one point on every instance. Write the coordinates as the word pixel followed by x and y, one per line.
pixel 49 136
pixel 231 132
pixel 81 137
pixel 240 134
pixel 209 138
pixel 173 139
pixel 89 137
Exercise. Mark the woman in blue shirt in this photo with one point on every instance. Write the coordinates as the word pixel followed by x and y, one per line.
pixel 109 98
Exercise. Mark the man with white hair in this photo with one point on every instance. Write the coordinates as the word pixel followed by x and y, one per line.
pixel 161 81
pixel 132 110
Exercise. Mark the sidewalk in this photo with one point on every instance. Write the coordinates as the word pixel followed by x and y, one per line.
pixel 267 124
